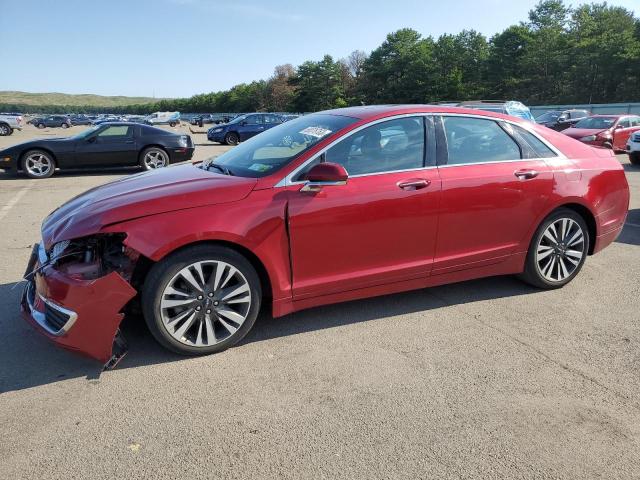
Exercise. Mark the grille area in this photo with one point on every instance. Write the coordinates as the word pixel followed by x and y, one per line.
pixel 55 318
pixel 636 137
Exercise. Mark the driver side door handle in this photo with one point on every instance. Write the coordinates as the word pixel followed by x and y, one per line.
pixel 525 174
pixel 414 184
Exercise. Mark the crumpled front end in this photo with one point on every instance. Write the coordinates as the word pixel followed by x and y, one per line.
pixel 75 295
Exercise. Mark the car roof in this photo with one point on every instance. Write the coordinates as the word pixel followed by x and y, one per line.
pixel 370 112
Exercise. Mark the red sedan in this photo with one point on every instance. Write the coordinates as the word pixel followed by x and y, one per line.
pixel 329 207
pixel 609 131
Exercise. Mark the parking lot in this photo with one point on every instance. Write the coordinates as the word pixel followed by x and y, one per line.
pixel 484 379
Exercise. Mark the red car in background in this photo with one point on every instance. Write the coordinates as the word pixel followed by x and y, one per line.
pixel 609 131
pixel 329 207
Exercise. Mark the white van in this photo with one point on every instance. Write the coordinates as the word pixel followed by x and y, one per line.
pixel 163 118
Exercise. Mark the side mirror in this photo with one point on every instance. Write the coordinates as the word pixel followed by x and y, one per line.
pixel 563 118
pixel 618 127
pixel 325 175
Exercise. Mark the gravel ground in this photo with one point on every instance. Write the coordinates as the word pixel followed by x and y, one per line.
pixel 483 379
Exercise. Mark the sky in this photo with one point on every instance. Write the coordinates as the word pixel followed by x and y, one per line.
pixel 177 48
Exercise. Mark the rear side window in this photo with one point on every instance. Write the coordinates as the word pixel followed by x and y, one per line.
pixel 538 148
pixel 476 140
pixel 624 123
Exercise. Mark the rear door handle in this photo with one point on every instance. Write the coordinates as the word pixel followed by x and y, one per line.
pixel 414 184
pixel 525 174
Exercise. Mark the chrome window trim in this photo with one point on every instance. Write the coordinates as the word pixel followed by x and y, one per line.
pixel 287 181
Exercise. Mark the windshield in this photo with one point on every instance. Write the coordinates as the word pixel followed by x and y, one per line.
pixel 271 150
pixel 594 123
pixel 548 117
pixel 86 133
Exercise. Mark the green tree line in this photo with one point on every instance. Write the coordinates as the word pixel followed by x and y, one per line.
pixel 560 55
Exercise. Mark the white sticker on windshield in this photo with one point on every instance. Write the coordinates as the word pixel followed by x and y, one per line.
pixel 317 132
pixel 260 167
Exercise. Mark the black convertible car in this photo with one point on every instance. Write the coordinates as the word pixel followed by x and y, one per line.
pixel 105 145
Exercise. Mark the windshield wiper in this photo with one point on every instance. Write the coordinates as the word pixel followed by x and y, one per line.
pixel 222 168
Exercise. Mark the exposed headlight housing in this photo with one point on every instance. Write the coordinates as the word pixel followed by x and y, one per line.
pixel 589 138
pixel 183 141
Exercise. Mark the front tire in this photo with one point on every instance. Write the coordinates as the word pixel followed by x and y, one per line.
pixel 201 300
pixel 41 126
pixel 634 158
pixel 558 250
pixel 38 164
pixel 231 138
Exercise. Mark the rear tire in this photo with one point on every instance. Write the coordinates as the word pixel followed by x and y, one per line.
pixel 231 138
pixel 634 158
pixel 41 126
pixel 192 318
pixel 558 250
pixel 65 125
pixel 5 130
pixel 153 158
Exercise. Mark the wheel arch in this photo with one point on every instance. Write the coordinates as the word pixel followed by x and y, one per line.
pixel 153 145
pixel 256 262
pixel 589 219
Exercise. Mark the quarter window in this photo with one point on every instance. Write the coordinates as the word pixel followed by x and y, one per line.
pixel 476 140
pixel 383 147
pixel 537 146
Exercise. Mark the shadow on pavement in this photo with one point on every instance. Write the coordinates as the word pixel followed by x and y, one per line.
pixel 631 232
pixel 27 359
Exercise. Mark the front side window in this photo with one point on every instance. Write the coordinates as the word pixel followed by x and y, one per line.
pixel 624 123
pixel 476 140
pixel 383 147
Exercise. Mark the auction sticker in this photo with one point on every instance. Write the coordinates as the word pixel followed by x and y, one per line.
pixel 317 132
pixel 260 167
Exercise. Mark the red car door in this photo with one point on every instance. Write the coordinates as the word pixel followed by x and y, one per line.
pixel 378 228
pixel 623 130
pixel 490 194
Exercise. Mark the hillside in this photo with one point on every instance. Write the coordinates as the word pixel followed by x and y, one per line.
pixel 54 98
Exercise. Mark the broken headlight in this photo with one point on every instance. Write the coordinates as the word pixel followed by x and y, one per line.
pixel 94 256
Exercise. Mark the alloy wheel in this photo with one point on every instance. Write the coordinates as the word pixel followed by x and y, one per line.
pixel 205 303
pixel 155 159
pixel 560 249
pixel 4 130
pixel 38 165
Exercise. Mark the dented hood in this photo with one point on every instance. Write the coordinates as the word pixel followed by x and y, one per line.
pixel 159 191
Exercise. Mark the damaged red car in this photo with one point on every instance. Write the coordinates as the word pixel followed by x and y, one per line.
pixel 329 207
